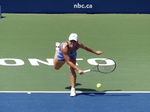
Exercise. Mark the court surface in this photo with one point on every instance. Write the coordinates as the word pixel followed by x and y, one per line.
pixel 27 49
pixel 83 102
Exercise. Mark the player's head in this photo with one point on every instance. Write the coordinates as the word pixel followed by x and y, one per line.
pixel 73 36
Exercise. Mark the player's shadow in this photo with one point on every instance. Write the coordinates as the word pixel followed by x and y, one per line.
pixel 80 89
pixel 93 92
pixel 104 93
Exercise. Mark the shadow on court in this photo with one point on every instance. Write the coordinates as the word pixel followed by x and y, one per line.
pixel 104 94
pixel 93 92
pixel 80 89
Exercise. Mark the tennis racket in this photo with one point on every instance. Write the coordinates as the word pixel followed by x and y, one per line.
pixel 104 66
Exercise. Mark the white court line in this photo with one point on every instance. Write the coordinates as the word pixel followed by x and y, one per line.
pixel 76 91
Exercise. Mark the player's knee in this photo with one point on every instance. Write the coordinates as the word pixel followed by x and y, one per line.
pixel 56 68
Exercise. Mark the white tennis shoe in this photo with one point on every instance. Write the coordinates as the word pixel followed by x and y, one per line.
pixel 73 92
pixel 57 45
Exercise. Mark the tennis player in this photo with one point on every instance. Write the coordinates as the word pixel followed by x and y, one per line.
pixel 66 52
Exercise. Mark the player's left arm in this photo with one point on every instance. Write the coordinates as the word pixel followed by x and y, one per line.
pixel 89 49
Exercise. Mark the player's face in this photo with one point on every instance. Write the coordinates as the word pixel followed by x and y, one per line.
pixel 72 43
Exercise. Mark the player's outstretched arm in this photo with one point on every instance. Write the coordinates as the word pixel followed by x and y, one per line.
pixel 89 49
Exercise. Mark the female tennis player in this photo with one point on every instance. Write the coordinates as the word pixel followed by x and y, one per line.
pixel 66 52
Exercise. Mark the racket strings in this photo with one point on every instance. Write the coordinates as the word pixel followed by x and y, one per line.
pixel 106 69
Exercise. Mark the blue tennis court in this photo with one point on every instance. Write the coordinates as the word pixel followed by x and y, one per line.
pixel 83 102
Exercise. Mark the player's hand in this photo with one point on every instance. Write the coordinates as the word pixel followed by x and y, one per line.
pixel 99 52
pixel 80 71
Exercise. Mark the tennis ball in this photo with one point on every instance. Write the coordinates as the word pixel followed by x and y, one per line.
pixel 99 85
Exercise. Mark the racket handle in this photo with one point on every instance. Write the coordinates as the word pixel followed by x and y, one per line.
pixel 85 71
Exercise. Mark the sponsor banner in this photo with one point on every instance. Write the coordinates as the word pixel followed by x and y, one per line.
pixel 75 6
pixel 0 12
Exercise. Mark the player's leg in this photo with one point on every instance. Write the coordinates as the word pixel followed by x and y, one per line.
pixel 72 77
pixel 57 63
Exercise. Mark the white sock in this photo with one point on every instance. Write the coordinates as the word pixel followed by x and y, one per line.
pixel 57 48
pixel 72 89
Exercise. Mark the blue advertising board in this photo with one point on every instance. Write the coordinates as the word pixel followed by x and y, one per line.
pixel 75 6
pixel 0 12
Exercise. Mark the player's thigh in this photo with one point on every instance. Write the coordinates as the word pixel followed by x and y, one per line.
pixel 58 64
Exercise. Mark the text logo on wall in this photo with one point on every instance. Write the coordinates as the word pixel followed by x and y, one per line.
pixel 83 6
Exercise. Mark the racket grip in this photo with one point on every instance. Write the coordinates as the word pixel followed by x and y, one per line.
pixel 85 71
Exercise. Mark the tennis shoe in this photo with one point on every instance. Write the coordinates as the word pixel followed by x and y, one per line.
pixel 57 45
pixel 73 92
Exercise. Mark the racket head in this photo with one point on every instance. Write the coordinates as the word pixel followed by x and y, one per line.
pixel 106 66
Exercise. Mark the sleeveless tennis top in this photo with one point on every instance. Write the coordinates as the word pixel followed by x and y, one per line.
pixel 60 56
